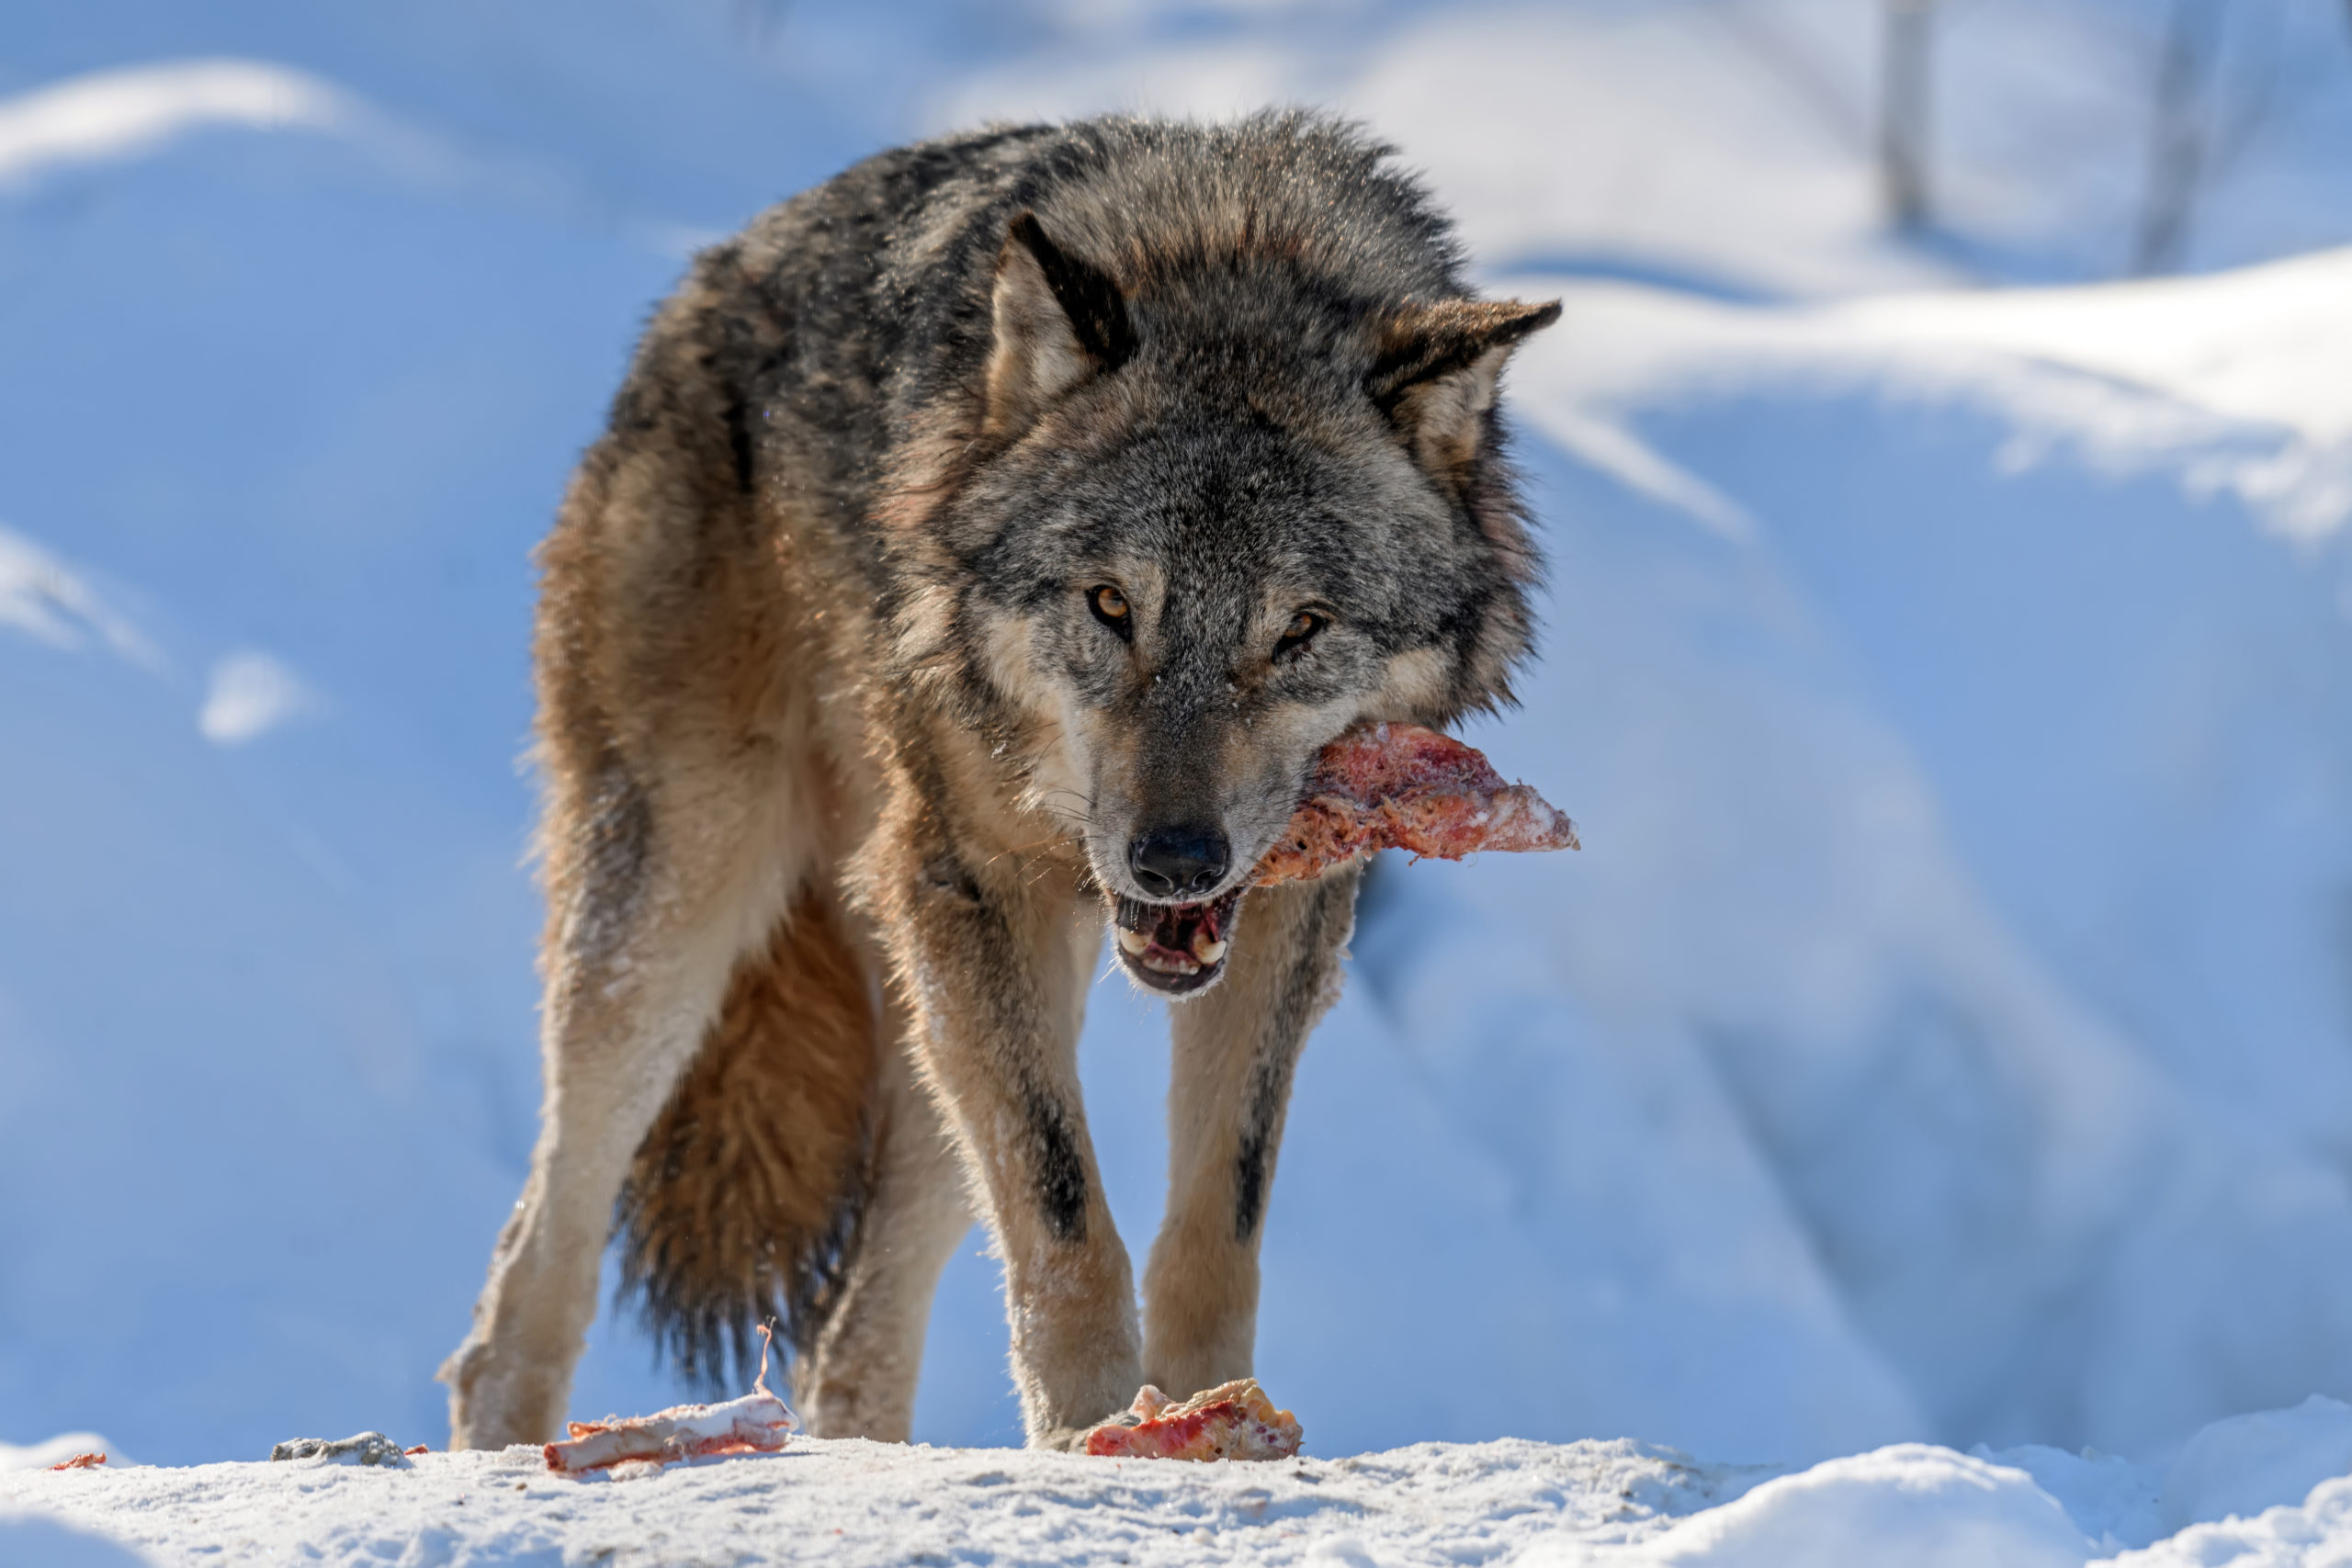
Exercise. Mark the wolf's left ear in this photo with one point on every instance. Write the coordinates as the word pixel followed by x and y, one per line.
pixel 1435 367
pixel 1058 322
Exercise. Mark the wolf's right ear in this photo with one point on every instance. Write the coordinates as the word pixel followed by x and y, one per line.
pixel 1058 322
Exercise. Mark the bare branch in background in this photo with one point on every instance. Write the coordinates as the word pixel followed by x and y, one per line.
pixel 1905 80
pixel 2263 90
pixel 2178 149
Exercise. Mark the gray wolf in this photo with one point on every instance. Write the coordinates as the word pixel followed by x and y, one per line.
pixel 981 548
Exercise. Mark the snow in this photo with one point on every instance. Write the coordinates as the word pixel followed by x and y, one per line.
pixel 2242 1465
pixel 1583 1505
pixel 114 114
pixel 2228 381
pixel 1924 803
pixel 250 694
pixel 1908 1503
pixel 57 1450
pixel 1942 1039
pixel 853 1502
pixel 34 1540
pixel 44 599
pixel 1726 148
pixel 1491 99
pixel 2313 1533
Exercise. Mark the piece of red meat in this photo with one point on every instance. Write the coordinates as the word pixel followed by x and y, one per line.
pixel 1400 786
pixel 1232 1421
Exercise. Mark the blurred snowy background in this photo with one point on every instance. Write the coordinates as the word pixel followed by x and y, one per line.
pixel 1946 462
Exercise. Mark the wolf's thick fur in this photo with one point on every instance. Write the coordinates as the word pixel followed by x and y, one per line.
pixel 983 542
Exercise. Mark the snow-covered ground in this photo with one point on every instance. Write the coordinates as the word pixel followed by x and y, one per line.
pixel 1945 1036
pixel 2264 1491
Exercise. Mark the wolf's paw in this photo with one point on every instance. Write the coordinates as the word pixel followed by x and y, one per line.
pixel 1234 1420
pixel 1068 1440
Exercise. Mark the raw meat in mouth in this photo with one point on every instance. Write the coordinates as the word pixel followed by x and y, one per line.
pixel 1378 787
pixel 1383 786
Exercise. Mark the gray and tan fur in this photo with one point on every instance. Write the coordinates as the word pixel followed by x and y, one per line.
pixel 983 546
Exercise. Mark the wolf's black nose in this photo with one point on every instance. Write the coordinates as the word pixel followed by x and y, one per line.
pixel 1174 861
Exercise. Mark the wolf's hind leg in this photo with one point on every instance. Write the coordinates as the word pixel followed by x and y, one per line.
pixel 859 1380
pixel 642 938
pixel 1234 1050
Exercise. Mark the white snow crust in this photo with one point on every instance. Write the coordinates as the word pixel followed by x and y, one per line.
pixel 1581 1505
pixel 853 1502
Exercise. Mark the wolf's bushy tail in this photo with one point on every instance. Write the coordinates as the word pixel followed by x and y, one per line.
pixel 745 1201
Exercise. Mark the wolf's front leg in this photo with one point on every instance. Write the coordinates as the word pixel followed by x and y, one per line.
pixel 1235 1049
pixel 996 954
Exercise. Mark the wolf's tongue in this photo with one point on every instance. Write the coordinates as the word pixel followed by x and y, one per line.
pixel 1168 933
pixel 1195 935
pixel 1183 932
pixel 1176 930
pixel 1175 938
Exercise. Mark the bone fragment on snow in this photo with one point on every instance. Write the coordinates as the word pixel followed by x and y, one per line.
pixel 759 1422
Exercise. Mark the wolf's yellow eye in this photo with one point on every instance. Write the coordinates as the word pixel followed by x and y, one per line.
pixel 1110 608
pixel 1300 632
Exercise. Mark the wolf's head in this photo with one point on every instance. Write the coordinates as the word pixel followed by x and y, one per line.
pixel 1227 507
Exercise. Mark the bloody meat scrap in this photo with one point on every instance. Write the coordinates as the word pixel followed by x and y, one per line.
pixel 756 1424
pixel 1400 786
pixel 1234 1420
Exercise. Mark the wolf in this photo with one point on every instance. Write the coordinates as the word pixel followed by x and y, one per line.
pixel 981 548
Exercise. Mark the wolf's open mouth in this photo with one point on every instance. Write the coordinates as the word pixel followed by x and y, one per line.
pixel 1174 948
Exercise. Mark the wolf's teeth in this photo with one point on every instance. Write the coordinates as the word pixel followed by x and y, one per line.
pixel 1133 942
pixel 1206 948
